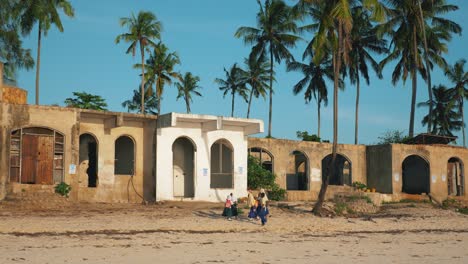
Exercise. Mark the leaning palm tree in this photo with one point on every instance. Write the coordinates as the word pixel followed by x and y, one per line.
pixel 142 29
pixel 256 75
pixel 405 30
pixel 44 13
pixel 233 84
pixel 459 92
pixel 445 118
pixel 187 87
pixel 134 104
pixel 364 41
pixel 160 69
pixel 314 82
pixel 273 35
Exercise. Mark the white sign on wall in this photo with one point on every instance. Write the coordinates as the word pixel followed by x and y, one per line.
pixel 205 171
pixel 444 177
pixel 396 177
pixel 240 169
pixel 434 178
pixel 315 175
pixel 72 169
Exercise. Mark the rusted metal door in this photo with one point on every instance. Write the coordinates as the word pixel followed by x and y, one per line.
pixel 37 159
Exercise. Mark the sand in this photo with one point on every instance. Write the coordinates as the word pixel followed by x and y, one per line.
pixel 196 233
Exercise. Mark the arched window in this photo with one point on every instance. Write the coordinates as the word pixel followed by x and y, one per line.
pixel 89 155
pixel 264 156
pixel 222 165
pixel 415 174
pixel 297 177
pixel 342 171
pixel 124 156
pixel 36 156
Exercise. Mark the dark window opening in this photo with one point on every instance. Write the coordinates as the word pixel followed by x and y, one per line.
pixel 89 154
pixel 455 177
pixel 342 170
pixel 124 156
pixel 222 165
pixel 415 175
pixel 297 178
pixel 264 156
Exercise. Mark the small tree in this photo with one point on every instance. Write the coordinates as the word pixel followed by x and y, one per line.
pixel 85 100
pixel 304 135
pixel 393 136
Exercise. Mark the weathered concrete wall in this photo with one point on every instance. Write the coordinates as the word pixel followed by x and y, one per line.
pixel 379 168
pixel 282 150
pixel 13 95
pixel 437 156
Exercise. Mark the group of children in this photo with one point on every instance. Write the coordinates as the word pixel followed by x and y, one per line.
pixel 258 206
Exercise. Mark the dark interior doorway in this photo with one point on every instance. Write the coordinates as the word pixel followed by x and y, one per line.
pixel 416 175
pixel 342 174
pixel 297 178
pixel 89 152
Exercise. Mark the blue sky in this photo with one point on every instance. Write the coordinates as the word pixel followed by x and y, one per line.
pixel 85 58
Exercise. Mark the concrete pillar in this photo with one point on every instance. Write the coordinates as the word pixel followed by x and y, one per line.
pixel 3 162
pixel 1 81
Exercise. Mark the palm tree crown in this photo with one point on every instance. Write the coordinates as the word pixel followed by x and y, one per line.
pixel 233 84
pixel 187 87
pixel 459 92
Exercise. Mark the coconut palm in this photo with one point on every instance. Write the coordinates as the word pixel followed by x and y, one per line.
pixel 45 13
pixel 187 87
pixel 364 41
pixel 313 83
pixel 256 76
pixel 160 70
pixel 405 31
pixel 459 92
pixel 142 29
pixel 134 105
pixel 273 35
pixel 233 84
pixel 445 118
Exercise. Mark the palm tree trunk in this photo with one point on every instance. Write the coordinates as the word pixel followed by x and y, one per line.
pixel 232 109
pixel 142 50
pixel 426 58
pixel 158 93
pixel 318 117
pixel 38 66
pixel 463 122
pixel 271 92
pixel 187 103
pixel 250 101
pixel 317 210
pixel 356 124
pixel 414 83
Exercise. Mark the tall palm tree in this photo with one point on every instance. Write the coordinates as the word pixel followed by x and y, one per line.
pixel 256 76
pixel 273 35
pixel 233 84
pixel 134 104
pixel 313 82
pixel 187 87
pixel 44 13
pixel 445 118
pixel 364 41
pixel 459 92
pixel 332 25
pixel 405 30
pixel 142 29
pixel 160 69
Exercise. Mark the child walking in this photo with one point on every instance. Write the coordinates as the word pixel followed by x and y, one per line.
pixel 227 212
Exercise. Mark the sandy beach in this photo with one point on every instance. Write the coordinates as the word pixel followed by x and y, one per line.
pixel 189 232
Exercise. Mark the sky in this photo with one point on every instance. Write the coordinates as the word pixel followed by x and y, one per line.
pixel 85 58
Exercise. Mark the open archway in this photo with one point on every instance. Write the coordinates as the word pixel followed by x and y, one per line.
pixel 264 156
pixel 89 157
pixel 222 165
pixel 342 174
pixel 124 156
pixel 297 177
pixel 183 155
pixel 455 177
pixel 415 175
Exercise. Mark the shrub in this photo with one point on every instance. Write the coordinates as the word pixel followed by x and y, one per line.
pixel 63 189
pixel 359 185
pixel 259 177
pixel 276 193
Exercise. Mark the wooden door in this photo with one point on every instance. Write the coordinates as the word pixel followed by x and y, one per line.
pixel 28 163
pixel 45 160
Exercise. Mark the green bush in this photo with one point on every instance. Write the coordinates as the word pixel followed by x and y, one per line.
pixel 276 193
pixel 359 185
pixel 63 189
pixel 259 177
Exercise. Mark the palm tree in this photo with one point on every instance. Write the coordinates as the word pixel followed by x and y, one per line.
pixel 187 87
pixel 160 69
pixel 134 105
pixel 364 40
pixel 313 82
pixel 444 118
pixel 142 29
pixel 256 76
pixel 44 13
pixel 274 34
pixel 233 84
pixel 405 30
pixel 332 25
pixel 459 77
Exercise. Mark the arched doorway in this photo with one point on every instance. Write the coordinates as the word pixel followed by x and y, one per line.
pixel 89 157
pixel 264 156
pixel 183 155
pixel 415 175
pixel 455 177
pixel 222 165
pixel 342 174
pixel 297 178
pixel 124 156
pixel 36 156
